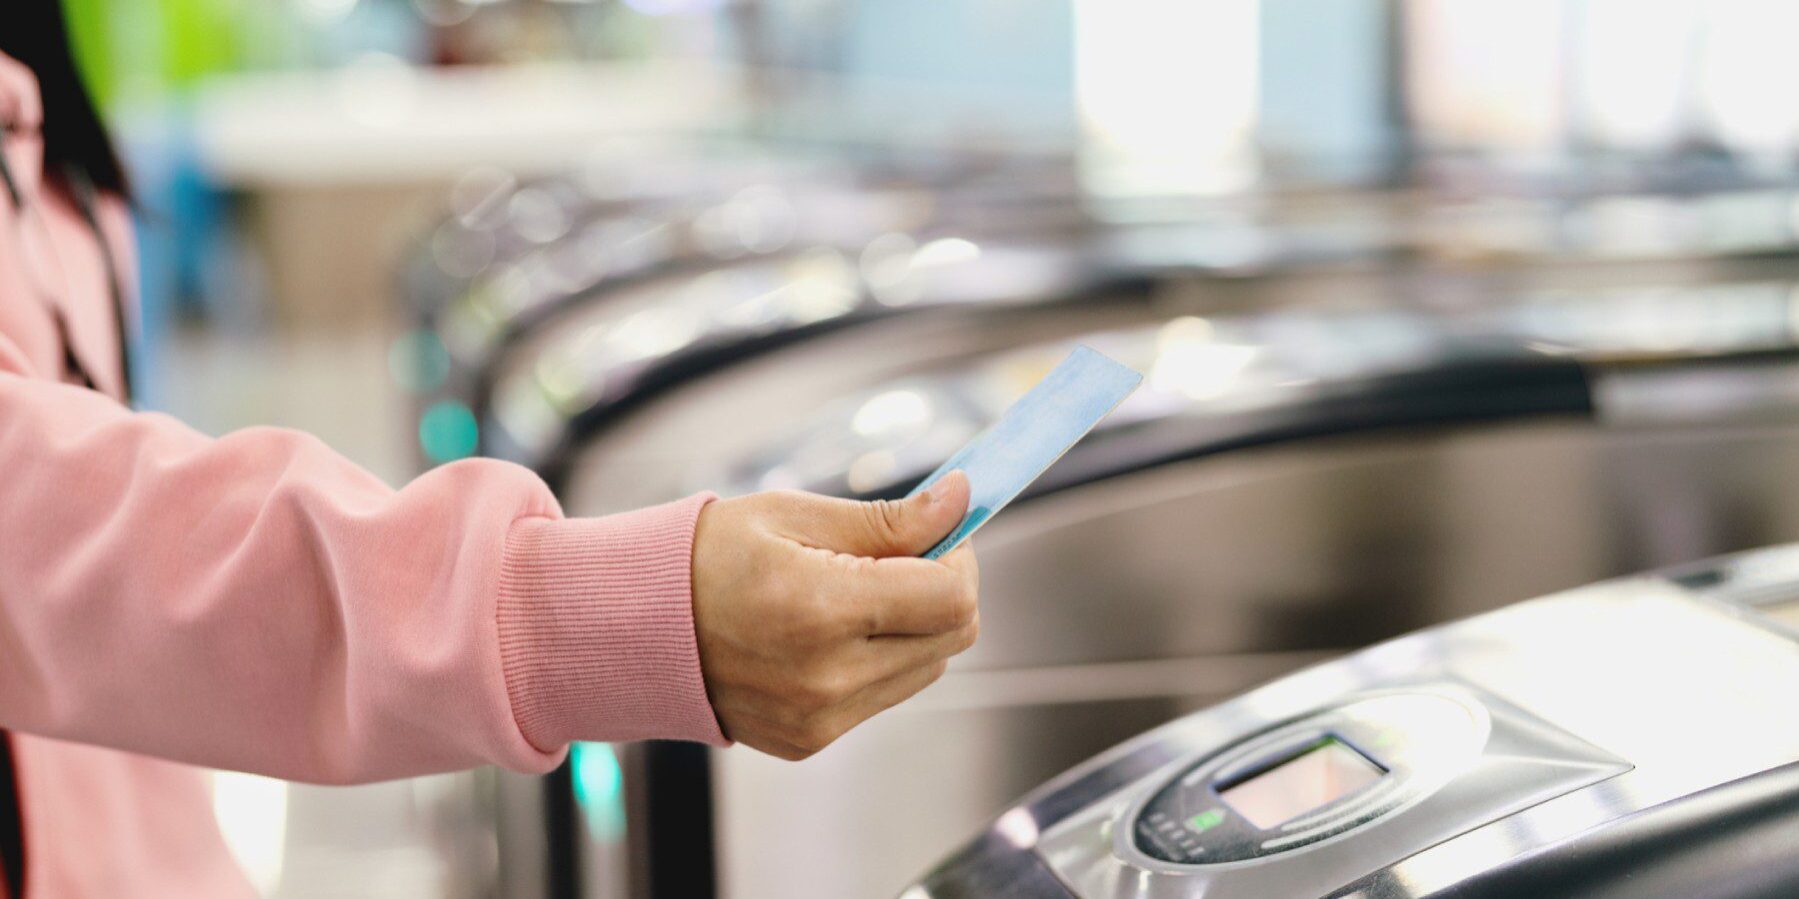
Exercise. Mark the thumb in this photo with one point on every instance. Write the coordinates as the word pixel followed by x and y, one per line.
pixel 886 528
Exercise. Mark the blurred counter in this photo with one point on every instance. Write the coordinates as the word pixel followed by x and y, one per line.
pixel 382 122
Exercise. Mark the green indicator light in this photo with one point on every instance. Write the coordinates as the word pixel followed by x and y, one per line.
pixel 1205 821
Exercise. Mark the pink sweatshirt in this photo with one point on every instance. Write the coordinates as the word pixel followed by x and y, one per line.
pixel 258 603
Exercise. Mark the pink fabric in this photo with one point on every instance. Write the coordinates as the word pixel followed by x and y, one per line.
pixel 562 583
pixel 256 602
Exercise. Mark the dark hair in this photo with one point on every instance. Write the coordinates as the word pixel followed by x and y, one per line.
pixel 74 137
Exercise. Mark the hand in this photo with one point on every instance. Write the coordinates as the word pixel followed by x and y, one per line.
pixel 813 613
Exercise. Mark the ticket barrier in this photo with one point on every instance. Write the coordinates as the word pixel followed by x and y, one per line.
pixel 1632 738
pixel 1285 488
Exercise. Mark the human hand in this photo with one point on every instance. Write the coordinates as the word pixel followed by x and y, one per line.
pixel 814 613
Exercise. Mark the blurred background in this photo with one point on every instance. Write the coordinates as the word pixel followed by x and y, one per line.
pixel 1545 250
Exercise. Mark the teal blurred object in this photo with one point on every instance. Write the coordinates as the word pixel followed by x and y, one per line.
pixel 418 361
pixel 447 431
pixel 599 789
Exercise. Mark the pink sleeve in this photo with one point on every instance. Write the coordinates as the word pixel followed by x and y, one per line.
pixel 257 602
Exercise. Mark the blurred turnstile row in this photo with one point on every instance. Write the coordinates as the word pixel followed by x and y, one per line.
pixel 1366 411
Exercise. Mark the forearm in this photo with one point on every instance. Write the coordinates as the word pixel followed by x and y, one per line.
pixel 257 602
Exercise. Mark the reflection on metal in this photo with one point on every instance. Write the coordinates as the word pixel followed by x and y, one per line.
pixel 1592 723
pixel 1232 570
pixel 1651 349
pixel 899 225
pixel 549 410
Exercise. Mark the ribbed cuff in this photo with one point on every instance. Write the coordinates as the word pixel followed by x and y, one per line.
pixel 596 628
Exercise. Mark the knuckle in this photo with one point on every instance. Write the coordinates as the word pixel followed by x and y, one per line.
pixel 809 621
pixel 885 516
pixel 867 620
pixel 828 623
pixel 822 690
pixel 803 630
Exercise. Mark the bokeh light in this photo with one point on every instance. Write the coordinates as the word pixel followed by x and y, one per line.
pixel 448 431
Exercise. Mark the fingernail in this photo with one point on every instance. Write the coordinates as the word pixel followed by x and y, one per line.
pixel 938 490
pixel 935 495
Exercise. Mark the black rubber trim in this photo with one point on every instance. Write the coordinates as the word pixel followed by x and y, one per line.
pixel 668 795
pixel 482 376
pixel 12 823
pixel 562 822
pixel 1457 393
pixel 671 372
pixel 1509 386
pixel 680 860
pixel 1739 840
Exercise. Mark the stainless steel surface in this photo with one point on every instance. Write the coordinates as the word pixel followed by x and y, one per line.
pixel 1102 601
pixel 1202 259
pixel 1663 688
pixel 1646 353
pixel 1477 761
pixel 1208 381
pixel 1135 597
pixel 515 255
pixel 596 355
pixel 687 437
pixel 1786 613
pixel 1148 590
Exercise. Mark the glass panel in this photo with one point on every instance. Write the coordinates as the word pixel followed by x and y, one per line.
pixel 1299 785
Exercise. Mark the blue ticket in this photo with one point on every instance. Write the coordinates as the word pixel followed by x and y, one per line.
pixel 1032 435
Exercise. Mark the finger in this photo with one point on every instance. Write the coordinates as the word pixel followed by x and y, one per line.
pixel 962 561
pixel 900 596
pixel 883 695
pixel 883 528
pixel 890 656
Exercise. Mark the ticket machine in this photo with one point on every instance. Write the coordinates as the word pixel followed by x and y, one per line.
pixel 1283 489
pixel 1634 738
